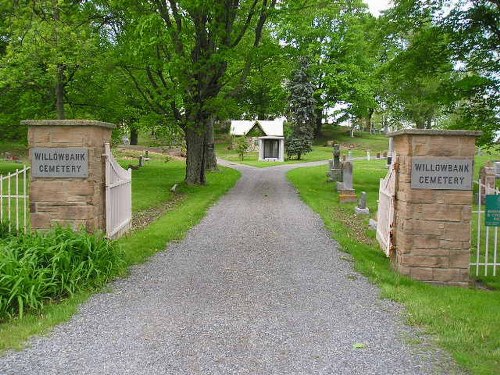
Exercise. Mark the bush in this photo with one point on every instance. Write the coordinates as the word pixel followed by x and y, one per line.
pixel 298 147
pixel 39 268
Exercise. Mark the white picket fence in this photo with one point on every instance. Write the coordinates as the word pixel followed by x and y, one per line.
pixel 118 196
pixel 14 197
pixel 385 212
pixel 485 259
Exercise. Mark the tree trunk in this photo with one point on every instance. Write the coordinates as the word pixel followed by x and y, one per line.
pixel 61 114
pixel 195 159
pixel 420 124
pixel 369 122
pixel 319 122
pixel 134 136
pixel 211 157
pixel 428 124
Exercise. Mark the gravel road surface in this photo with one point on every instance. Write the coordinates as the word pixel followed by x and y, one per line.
pixel 258 287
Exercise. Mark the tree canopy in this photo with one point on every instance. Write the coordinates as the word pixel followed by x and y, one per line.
pixel 185 65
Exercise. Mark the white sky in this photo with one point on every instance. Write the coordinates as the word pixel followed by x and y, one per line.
pixel 376 6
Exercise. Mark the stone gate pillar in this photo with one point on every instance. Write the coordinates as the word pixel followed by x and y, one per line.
pixel 67 173
pixel 433 209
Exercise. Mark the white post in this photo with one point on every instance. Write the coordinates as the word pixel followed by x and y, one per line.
pixel 282 150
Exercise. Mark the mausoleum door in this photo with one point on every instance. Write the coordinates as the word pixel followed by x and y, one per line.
pixel 271 149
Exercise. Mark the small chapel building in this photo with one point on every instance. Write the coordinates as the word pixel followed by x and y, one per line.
pixel 267 135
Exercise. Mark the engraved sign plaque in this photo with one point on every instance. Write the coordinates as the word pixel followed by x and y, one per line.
pixel 441 174
pixel 60 162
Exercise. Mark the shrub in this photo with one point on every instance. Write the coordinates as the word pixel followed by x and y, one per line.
pixel 39 268
pixel 242 146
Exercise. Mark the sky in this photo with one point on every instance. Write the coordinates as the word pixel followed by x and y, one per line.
pixel 376 6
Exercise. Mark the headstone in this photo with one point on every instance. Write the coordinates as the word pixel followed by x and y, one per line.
pixel 336 156
pixel 125 141
pixel 361 209
pixel 497 169
pixel 378 155
pixel 368 155
pixel 335 171
pixel 345 188
pixel 141 161
pixel 488 180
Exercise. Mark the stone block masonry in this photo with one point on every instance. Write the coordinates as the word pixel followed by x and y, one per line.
pixel 67 187
pixel 432 216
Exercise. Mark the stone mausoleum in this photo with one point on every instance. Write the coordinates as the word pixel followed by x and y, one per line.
pixel 265 136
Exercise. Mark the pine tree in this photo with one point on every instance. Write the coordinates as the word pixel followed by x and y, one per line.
pixel 301 112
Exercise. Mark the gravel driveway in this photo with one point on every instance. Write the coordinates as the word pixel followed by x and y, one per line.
pixel 258 287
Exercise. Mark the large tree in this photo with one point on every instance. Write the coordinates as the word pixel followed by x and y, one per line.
pixel 445 66
pixel 336 37
pixel 177 53
pixel 48 42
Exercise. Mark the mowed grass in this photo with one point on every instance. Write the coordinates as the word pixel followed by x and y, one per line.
pixel 151 187
pixel 357 146
pixel 7 167
pixel 466 322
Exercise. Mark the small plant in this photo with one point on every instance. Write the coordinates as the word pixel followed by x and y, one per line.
pixel 38 268
pixel 242 147
pixel 5 229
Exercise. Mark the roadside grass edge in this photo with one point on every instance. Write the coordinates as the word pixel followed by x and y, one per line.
pixel 137 247
pixel 465 322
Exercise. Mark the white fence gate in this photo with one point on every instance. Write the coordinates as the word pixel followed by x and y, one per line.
pixel 14 197
pixel 385 212
pixel 118 196
pixel 485 260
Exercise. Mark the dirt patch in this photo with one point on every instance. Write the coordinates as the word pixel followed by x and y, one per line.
pixel 143 218
pixel 133 152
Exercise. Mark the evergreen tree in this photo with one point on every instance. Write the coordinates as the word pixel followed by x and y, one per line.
pixel 301 112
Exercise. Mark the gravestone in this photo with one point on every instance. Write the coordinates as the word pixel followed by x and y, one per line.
pixel 345 188
pixel 362 209
pixel 335 169
pixel 487 175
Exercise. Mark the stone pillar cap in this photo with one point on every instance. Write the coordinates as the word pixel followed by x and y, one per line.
pixel 68 123
pixel 470 133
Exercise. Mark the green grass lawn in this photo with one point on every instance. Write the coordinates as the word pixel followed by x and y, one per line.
pixel 466 322
pixel 151 187
pixel 357 146
pixel 9 167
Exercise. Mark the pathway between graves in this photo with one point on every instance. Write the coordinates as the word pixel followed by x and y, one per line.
pixel 258 287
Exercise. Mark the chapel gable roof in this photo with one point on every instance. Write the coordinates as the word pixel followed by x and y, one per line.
pixel 269 127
